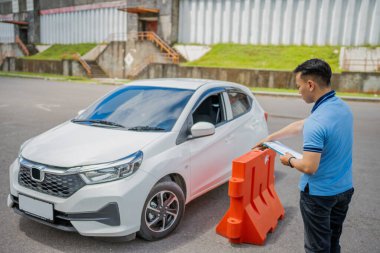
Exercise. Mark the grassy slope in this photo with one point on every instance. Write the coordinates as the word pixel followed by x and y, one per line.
pixel 58 52
pixel 266 57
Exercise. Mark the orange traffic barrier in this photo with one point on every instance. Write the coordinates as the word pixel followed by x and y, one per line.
pixel 254 205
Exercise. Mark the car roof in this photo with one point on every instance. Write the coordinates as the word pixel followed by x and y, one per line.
pixel 179 83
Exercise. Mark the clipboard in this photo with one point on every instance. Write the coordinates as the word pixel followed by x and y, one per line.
pixel 282 149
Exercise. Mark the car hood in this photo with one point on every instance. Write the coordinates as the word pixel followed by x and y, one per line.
pixel 71 144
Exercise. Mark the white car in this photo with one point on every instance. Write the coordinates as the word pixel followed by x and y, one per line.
pixel 131 161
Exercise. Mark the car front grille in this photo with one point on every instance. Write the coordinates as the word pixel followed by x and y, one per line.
pixel 56 185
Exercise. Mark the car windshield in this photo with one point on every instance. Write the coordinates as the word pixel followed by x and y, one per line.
pixel 138 108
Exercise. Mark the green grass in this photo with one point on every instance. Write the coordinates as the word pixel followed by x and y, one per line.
pixel 45 76
pixel 58 52
pixel 340 94
pixel 56 77
pixel 266 57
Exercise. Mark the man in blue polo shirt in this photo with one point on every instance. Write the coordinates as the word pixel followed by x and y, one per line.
pixel 326 183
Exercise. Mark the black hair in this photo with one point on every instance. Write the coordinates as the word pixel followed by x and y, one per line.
pixel 317 68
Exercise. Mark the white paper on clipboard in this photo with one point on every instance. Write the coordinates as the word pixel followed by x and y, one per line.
pixel 282 149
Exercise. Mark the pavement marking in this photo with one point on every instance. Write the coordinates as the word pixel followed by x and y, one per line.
pixel 46 107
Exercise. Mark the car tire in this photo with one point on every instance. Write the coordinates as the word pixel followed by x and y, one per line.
pixel 162 212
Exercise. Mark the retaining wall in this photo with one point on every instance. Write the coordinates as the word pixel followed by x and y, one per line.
pixel 9 50
pixel 346 81
pixel 64 67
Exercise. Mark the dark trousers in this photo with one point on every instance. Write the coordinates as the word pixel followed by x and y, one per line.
pixel 323 219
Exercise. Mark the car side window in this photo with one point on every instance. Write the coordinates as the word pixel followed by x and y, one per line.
pixel 210 110
pixel 240 103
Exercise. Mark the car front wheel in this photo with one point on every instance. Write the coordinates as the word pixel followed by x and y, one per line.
pixel 163 211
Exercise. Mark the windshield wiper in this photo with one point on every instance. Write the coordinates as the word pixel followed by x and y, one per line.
pixel 102 122
pixel 146 128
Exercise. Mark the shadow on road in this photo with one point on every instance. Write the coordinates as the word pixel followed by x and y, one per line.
pixel 201 216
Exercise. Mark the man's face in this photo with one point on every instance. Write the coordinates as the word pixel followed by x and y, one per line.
pixel 305 88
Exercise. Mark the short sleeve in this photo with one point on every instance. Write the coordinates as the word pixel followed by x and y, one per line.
pixel 313 136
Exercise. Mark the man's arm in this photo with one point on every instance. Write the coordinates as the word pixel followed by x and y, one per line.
pixel 290 130
pixel 308 164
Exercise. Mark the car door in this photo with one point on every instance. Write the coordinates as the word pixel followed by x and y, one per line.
pixel 210 155
pixel 246 129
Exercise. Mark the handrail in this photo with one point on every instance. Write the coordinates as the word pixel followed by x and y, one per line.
pixel 77 57
pixel 151 36
pixel 22 46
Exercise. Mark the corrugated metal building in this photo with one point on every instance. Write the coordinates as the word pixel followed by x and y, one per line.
pixel 94 23
pixel 7 31
pixel 277 22
pixel 280 22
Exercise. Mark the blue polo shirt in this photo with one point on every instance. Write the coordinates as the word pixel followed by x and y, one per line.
pixel 329 131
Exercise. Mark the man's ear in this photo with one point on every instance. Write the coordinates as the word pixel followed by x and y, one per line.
pixel 311 85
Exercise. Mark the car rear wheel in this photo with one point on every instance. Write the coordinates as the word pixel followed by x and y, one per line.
pixel 163 211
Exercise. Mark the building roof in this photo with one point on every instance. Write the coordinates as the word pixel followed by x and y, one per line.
pixel 15 22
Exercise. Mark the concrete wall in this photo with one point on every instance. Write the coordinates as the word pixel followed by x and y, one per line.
pixel 360 59
pixel 346 81
pixel 351 82
pixel 168 19
pixel 280 22
pixel 65 67
pixel 113 59
pixel 9 50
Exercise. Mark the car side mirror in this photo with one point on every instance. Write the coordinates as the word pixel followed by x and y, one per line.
pixel 80 112
pixel 201 129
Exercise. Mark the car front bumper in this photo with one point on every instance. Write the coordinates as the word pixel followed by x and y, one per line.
pixel 110 209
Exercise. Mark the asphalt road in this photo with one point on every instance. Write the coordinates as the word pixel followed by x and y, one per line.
pixel 29 107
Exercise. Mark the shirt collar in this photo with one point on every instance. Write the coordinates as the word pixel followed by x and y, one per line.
pixel 322 99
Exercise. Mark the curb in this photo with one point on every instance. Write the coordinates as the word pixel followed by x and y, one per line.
pixel 286 94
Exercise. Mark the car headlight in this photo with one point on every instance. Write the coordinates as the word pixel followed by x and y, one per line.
pixel 100 173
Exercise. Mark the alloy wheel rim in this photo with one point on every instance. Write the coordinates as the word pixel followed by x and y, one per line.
pixel 161 211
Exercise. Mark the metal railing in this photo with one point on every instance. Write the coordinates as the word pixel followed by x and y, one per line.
pixel 77 57
pixel 22 46
pixel 170 52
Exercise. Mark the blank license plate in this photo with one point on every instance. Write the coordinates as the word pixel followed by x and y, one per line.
pixel 36 207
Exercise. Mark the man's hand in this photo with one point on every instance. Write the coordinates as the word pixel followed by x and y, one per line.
pixel 260 144
pixel 285 159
